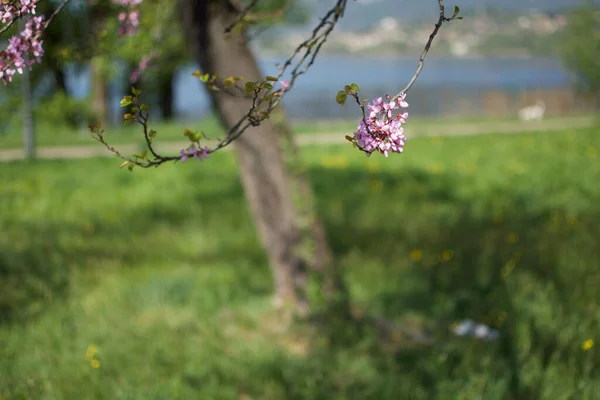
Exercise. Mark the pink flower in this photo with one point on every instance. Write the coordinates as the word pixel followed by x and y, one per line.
pixel 383 130
pixel 284 84
pixel 129 20
pixel 25 48
pixel 200 154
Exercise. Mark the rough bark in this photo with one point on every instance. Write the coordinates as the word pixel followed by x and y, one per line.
pixel 276 187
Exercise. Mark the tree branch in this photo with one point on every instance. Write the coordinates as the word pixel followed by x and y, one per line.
pixel 56 11
pixel 438 25
pixel 306 51
pixel 241 16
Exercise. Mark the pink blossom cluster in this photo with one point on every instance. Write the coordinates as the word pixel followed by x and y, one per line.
pixel 25 48
pixel 129 20
pixel 195 152
pixel 383 130
pixel 144 63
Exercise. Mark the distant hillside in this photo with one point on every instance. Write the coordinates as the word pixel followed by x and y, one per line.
pixel 362 14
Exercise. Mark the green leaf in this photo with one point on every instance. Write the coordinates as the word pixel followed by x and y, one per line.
pixel 204 78
pixel 192 136
pixel 229 81
pixel 349 138
pixel 130 167
pixel 271 78
pixel 197 73
pixel 127 122
pixel 143 154
pixel 135 91
pixel 152 134
pixel 355 87
pixel 267 86
pixel 347 88
pixel 341 97
pixel 145 107
pixel 249 87
pixel 127 100
pixel 456 11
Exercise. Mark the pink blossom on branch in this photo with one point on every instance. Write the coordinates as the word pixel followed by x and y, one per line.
pixel 129 20
pixel 25 48
pixel 144 63
pixel 195 152
pixel 383 131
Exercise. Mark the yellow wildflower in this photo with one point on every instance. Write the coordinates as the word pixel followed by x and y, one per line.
pixel 588 344
pixel 90 352
pixel 416 255
pixel 447 255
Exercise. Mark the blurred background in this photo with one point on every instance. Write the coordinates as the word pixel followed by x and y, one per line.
pixel 153 285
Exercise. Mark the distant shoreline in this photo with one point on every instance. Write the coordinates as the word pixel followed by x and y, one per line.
pixel 262 54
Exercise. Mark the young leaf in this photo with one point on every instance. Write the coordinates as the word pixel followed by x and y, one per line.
pixel 127 100
pixel 456 11
pixel 341 97
pixel 354 87
pixel 135 91
pixel 124 163
pixel 271 78
pixel 250 86
pixel 228 81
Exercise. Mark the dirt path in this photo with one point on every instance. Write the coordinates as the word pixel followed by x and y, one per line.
pixel 450 129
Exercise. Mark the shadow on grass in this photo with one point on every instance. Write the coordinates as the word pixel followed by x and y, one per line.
pixel 414 245
pixel 504 258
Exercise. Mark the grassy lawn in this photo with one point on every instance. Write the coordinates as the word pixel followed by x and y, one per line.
pixel 11 136
pixel 152 285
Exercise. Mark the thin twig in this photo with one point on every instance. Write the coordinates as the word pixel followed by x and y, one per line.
pixel 12 21
pixel 438 25
pixel 241 16
pixel 56 11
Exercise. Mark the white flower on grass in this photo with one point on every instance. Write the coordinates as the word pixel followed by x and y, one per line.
pixel 469 328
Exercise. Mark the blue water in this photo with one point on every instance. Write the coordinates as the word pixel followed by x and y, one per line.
pixel 441 80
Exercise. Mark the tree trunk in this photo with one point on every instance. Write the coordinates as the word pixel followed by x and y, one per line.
pixel 99 90
pixel 276 187
pixel 60 80
pixel 98 70
pixel 165 93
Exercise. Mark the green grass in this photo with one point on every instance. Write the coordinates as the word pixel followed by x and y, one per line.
pixel 161 271
pixel 11 136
